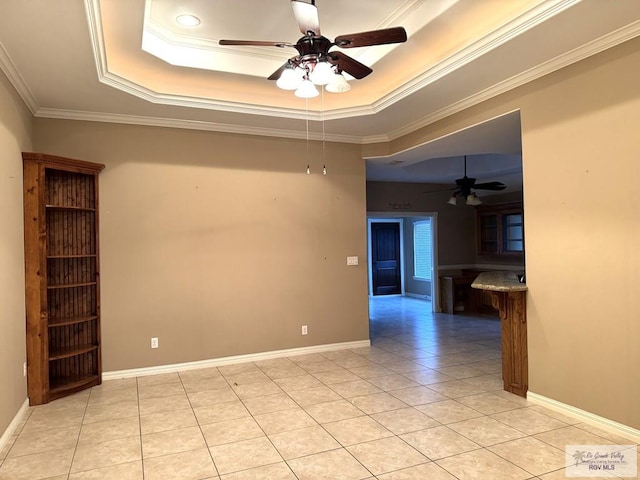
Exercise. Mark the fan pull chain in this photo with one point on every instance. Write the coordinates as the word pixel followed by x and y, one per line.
pixel 324 165
pixel 306 106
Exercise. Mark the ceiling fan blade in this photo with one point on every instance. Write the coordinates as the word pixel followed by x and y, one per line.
pixel 347 64
pixel 307 17
pixel 255 43
pixel 490 186
pixel 374 37
pixel 465 182
pixel 278 73
pixel 444 189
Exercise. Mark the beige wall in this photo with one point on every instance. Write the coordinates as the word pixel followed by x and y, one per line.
pixel 15 137
pixel 580 158
pixel 220 244
pixel 581 168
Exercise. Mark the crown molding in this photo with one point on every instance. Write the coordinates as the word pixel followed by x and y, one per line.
pixel 596 46
pixel 498 37
pixel 405 11
pixel 592 48
pixel 12 73
pixel 94 23
pixel 584 51
pixel 191 125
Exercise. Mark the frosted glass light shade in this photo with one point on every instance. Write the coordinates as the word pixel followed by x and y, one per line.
pixel 289 80
pixel 338 84
pixel 322 73
pixel 473 200
pixel 307 90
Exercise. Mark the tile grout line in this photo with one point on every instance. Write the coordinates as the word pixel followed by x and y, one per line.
pixel 75 449
pixel 140 427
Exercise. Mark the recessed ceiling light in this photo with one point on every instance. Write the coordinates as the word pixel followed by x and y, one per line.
pixel 187 20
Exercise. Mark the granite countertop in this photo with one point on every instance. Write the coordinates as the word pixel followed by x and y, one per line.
pixel 499 282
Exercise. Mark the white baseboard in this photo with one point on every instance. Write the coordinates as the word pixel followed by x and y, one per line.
pixel 587 417
pixel 217 362
pixel 9 431
pixel 418 295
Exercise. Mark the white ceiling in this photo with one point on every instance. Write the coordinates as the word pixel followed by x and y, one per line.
pixel 84 60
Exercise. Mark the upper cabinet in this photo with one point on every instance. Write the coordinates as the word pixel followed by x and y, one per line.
pixel 501 229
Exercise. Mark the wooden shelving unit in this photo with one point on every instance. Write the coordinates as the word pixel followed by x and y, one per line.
pixel 62 279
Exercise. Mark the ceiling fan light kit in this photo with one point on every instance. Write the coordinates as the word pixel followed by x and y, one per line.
pixel 315 63
pixel 472 199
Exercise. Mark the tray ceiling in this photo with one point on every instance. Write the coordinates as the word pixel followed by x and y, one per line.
pixel 90 60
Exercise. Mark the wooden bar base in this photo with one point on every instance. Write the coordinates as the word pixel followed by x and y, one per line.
pixel 513 318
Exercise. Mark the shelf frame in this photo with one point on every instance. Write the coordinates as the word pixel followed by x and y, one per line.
pixel 61 195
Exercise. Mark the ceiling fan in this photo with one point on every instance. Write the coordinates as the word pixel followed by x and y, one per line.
pixel 315 61
pixel 465 187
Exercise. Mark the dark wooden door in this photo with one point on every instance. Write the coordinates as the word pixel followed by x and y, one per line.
pixel 385 258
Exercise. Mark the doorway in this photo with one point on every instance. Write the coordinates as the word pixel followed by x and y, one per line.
pixel 417 278
pixel 385 258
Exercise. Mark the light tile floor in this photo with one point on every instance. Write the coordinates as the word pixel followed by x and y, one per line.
pixel 425 401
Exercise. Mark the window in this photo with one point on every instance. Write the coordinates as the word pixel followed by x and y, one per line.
pixel 513 237
pixel 422 250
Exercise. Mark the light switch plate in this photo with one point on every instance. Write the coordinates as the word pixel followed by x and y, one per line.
pixel 352 260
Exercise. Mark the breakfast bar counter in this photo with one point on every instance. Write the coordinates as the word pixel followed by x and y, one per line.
pixel 499 282
pixel 508 296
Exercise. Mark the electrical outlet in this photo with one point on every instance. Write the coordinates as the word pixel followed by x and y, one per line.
pixel 24 369
pixel 154 342
pixel 304 329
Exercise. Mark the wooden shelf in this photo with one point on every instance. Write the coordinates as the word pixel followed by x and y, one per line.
pixel 66 352
pixel 62 281
pixel 59 385
pixel 71 285
pixel 62 322
pixel 69 207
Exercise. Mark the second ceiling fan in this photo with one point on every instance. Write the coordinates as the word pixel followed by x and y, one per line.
pixel 465 186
